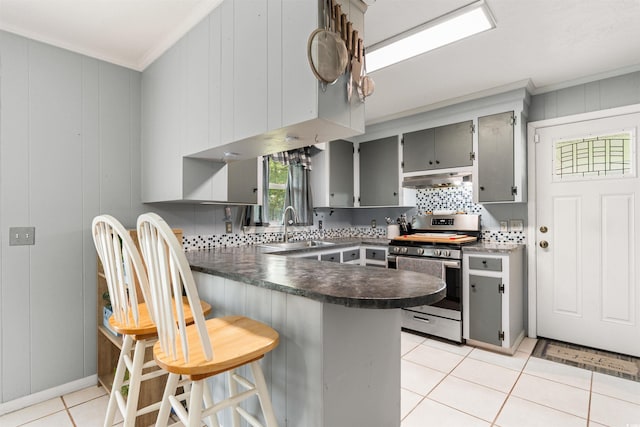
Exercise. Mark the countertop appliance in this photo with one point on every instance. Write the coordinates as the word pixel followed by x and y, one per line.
pixel 434 246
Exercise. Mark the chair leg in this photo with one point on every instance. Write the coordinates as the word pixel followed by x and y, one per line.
pixel 208 403
pixel 165 406
pixel 118 379
pixel 195 404
pixel 134 383
pixel 233 390
pixel 263 395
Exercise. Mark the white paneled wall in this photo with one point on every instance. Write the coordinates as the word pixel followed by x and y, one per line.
pixel 69 149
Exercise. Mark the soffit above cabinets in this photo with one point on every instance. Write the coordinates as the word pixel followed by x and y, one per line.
pixel 552 44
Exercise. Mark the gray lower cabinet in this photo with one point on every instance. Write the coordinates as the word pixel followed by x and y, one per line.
pixel 442 147
pixel 331 257
pixel 496 163
pixel 485 309
pixel 379 172
pixel 493 298
pixel 351 256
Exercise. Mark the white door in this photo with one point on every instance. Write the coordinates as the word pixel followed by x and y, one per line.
pixel 587 233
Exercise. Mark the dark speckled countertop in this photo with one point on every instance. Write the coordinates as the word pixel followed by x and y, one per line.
pixel 343 284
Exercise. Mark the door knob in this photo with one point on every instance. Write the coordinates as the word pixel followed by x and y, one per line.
pixel 544 229
pixel 544 244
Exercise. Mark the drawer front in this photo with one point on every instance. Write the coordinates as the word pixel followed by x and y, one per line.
pixel 482 263
pixel 434 325
pixel 332 257
pixel 351 255
pixel 377 254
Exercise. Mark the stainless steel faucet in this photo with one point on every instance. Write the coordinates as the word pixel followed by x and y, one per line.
pixel 285 222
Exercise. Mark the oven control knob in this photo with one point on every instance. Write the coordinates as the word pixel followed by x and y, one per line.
pixel 396 250
pixel 405 250
pixel 446 253
pixel 437 252
pixel 420 251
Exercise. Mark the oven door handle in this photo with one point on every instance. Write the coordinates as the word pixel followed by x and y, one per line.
pixel 451 264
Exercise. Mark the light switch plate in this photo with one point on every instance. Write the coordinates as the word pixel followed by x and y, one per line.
pixel 19 236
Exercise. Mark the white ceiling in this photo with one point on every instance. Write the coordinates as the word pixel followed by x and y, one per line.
pixel 548 43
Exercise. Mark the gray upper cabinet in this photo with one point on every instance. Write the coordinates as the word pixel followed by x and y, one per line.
pixel 332 175
pixel 341 174
pixel 496 179
pixel 379 172
pixel 442 147
pixel 243 181
pixel 418 150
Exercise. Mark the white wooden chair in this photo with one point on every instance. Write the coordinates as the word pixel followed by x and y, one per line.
pixel 134 319
pixel 205 348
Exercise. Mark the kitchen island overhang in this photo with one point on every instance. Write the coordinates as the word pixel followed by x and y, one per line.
pixel 338 363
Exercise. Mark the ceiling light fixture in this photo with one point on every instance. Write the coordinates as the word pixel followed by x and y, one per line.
pixel 453 26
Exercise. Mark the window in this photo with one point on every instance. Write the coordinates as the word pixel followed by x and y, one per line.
pixel 594 157
pixel 278 174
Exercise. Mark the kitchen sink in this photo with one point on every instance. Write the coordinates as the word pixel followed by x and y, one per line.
pixel 286 246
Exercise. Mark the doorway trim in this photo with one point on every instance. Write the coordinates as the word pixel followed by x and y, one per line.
pixel 532 128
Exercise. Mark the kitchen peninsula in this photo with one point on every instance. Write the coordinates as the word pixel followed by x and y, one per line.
pixel 338 362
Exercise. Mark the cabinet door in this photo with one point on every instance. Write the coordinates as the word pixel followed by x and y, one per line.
pixel 379 170
pixel 418 150
pixel 495 158
pixel 453 145
pixel 485 309
pixel 243 181
pixel 341 174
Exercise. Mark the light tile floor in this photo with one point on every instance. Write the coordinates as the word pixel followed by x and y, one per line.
pixel 448 385
pixel 443 385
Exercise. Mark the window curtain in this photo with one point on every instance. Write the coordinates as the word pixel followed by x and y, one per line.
pixel 258 215
pixel 298 190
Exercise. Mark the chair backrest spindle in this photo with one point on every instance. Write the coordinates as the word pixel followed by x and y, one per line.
pixel 121 263
pixel 169 276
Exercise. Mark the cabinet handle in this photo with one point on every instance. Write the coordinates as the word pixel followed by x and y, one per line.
pixel 255 190
pixel 437 162
pixel 333 194
pixel 421 319
pixel 473 286
pixel 481 188
pixel 395 193
pixel 430 162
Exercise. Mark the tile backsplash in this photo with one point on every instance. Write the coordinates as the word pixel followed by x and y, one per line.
pixel 244 239
pixel 458 199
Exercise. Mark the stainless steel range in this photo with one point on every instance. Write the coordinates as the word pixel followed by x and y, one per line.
pixel 435 247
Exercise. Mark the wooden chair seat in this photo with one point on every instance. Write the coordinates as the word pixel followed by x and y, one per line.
pixel 237 340
pixel 233 345
pixel 146 327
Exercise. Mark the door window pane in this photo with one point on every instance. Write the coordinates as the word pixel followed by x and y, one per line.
pixel 594 157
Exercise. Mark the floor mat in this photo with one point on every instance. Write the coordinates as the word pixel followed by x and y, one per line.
pixel 605 362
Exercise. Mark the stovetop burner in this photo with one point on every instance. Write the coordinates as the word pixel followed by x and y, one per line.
pixel 439 236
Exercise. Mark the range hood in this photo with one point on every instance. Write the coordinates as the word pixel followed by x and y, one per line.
pixel 436 179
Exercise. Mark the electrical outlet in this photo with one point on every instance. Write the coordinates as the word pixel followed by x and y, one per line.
pixel 228 227
pixel 373 223
pixel 19 236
